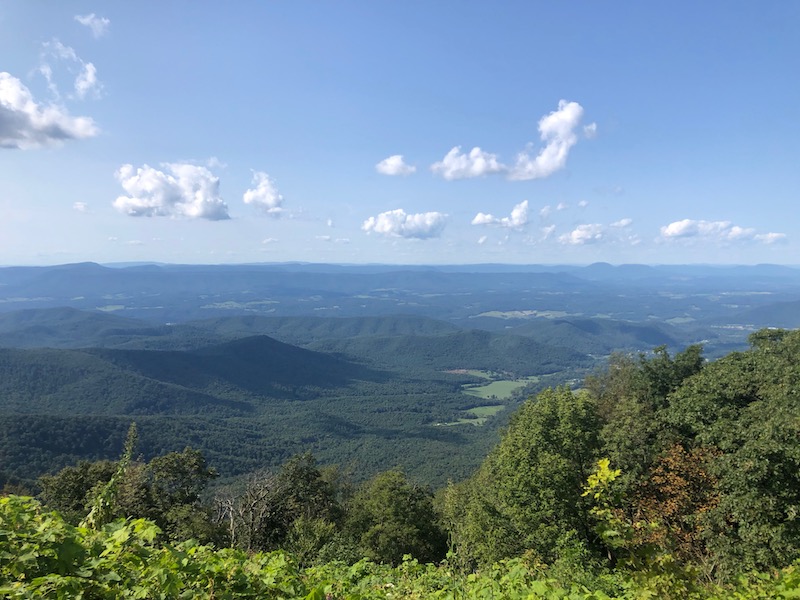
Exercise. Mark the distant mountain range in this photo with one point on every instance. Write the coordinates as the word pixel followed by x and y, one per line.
pixel 364 365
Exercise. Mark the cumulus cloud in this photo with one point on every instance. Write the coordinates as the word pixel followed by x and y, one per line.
pixel 457 165
pixel 583 204
pixel 180 190
pixel 85 73
pixel 80 207
pixel 98 25
pixel 482 240
pixel 517 220
pixel 264 195
pixel 588 233
pixel 394 165
pixel 396 223
pixel 24 123
pixel 590 130
pixel 557 131
pixel 715 230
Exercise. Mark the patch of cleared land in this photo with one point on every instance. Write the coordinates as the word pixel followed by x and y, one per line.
pixel 500 390
pixel 486 411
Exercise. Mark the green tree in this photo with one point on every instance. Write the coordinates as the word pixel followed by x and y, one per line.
pixel 745 408
pixel 390 517
pixel 527 495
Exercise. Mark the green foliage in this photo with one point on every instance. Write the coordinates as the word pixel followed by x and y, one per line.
pixel 747 406
pixel 390 517
pixel 527 494
pixel 297 508
pixel 42 556
pixel 104 505
pixel 168 490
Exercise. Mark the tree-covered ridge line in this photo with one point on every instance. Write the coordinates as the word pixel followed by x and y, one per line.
pixel 251 401
pixel 678 304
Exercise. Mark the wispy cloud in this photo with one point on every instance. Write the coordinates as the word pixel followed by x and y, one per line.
pixel 725 231
pixel 98 25
pixel 180 190
pixel 622 223
pixel 24 123
pixel 394 165
pixel 618 232
pixel 83 74
pixel 396 223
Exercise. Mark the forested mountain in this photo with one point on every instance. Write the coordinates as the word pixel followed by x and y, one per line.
pixel 461 350
pixel 252 401
pixel 600 336
pixel 182 349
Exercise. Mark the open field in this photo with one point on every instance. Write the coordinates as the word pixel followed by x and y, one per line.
pixel 499 390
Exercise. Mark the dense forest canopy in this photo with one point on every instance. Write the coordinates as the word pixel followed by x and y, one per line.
pixel 662 472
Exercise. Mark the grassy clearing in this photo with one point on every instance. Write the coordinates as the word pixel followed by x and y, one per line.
pixel 486 411
pixel 500 390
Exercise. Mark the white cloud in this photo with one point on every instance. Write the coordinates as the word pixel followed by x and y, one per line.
pixel 583 234
pixel 545 211
pixel 85 73
pixel 396 223
pixel 394 165
pixel 547 231
pixel 269 240
pixel 770 238
pixel 482 240
pixel 562 206
pixel 98 25
pixel 181 190
pixel 583 204
pixel 517 220
pixel 590 131
pixel 456 165
pixel 323 238
pixel 716 231
pixel 80 207
pixel 26 124
pixel 622 223
pixel 329 222
pixel 265 195
pixel 86 81
pixel 557 131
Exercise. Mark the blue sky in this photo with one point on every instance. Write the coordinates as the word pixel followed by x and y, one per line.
pixel 399 132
